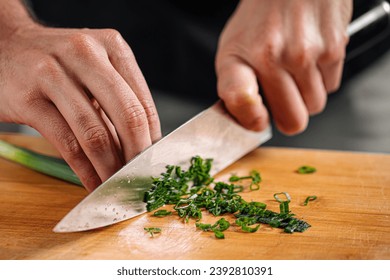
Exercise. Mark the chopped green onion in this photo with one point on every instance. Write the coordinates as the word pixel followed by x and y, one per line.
pixel 250 229
pixel 204 227
pixel 306 169
pixel 309 198
pixel 219 234
pixel 218 228
pixel 284 204
pixel 284 208
pixel 288 197
pixel 254 176
pixel 291 226
pixel 152 230
pixel 245 222
pixel 194 190
pixel 221 225
pixel 48 165
pixel 162 213
pixel 274 223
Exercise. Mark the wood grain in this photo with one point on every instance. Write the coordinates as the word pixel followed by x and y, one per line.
pixel 350 219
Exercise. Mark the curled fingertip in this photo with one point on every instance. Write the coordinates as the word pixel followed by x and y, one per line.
pixel 252 117
pixel 293 127
pixel 259 124
pixel 91 183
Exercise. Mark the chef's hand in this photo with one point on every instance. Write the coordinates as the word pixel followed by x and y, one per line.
pixel 83 91
pixel 294 48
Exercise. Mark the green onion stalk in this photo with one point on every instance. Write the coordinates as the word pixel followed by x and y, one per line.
pixel 48 165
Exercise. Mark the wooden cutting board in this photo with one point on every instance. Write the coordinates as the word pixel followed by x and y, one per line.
pixel 350 219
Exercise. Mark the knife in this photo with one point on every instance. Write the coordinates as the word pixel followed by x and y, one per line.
pixel 211 134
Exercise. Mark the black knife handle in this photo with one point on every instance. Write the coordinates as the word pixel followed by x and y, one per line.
pixel 368 30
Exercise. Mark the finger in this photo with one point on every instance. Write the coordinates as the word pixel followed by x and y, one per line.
pixel 56 130
pixel 110 127
pixel 123 60
pixel 287 106
pixel 83 119
pixel 237 87
pixel 331 60
pixel 114 95
pixel 332 75
pixel 311 87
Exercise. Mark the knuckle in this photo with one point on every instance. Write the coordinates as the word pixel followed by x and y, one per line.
pixel 81 44
pixel 48 69
pixel 113 36
pixel 269 49
pixel 121 49
pixel 151 114
pixel 333 54
pixel 70 146
pixel 334 49
pixel 136 119
pixel 268 54
pixel 95 138
pixel 302 55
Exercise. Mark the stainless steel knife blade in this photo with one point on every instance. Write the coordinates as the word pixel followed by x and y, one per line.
pixel 211 134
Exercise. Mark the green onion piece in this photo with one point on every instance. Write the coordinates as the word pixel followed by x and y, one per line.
pixel 235 178
pixel 250 229
pixel 218 228
pixel 256 180
pixel 309 198
pixel 245 222
pixel 292 226
pixel 254 187
pixel 283 206
pixel 162 213
pixel 221 225
pixel 288 197
pixel 258 204
pixel 254 176
pixel 274 223
pixel 306 169
pixel 152 230
pixel 48 165
pixel 204 227
pixel 219 234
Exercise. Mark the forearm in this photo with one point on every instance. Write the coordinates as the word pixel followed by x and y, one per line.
pixel 13 15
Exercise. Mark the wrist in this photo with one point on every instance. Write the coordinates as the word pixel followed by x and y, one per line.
pixel 13 17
